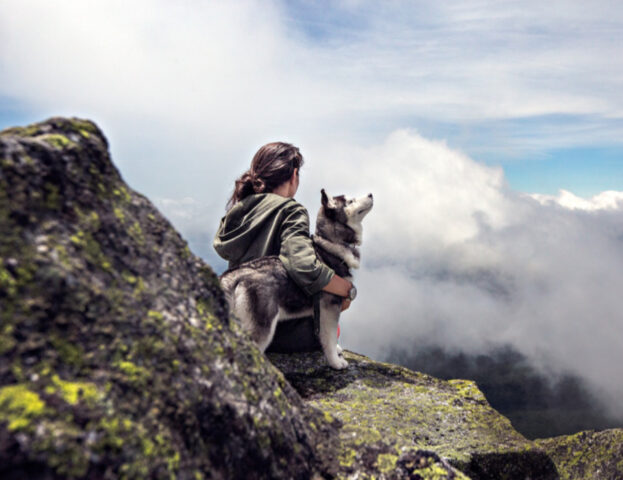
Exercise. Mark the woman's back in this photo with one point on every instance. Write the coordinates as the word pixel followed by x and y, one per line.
pixel 264 219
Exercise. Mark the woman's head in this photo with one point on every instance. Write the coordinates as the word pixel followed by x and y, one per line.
pixel 271 167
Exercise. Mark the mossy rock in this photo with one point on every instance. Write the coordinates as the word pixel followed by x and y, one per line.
pixel 590 454
pixel 387 412
pixel 117 355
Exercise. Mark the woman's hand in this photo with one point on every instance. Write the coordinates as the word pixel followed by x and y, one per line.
pixel 338 286
pixel 345 304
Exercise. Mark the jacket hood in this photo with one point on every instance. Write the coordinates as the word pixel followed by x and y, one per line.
pixel 243 222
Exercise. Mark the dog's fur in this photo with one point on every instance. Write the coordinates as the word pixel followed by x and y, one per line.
pixel 260 292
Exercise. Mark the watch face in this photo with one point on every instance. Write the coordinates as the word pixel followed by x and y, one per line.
pixel 352 293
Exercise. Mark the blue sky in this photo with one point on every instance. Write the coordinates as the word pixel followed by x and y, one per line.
pixel 533 88
pixel 586 164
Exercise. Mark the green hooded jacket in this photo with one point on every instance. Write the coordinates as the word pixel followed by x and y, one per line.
pixel 269 224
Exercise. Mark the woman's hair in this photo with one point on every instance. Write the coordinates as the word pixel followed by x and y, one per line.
pixel 272 165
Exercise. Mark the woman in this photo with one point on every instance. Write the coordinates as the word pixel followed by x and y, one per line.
pixel 264 219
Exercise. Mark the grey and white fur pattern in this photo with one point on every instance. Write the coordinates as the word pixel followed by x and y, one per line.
pixel 260 293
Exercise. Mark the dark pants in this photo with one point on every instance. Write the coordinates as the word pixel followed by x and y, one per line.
pixel 295 336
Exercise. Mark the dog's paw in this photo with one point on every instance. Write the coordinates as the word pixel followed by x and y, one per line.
pixel 339 349
pixel 339 363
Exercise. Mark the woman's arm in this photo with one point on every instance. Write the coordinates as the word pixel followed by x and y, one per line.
pixel 297 252
pixel 299 258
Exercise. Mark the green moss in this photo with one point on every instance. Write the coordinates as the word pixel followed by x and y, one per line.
pixel 73 392
pixel 7 282
pixel 63 257
pixel 19 406
pixel 7 341
pixel 90 221
pixel 136 232
pixel 587 454
pixel 116 430
pixel 70 354
pixel 85 241
pixel 128 277
pixel 139 288
pixel 204 309
pixel 153 314
pixel 435 472
pixel 386 462
pixel 347 457
pixel 119 433
pixel 173 463
pixel 185 253
pixel 57 141
pixel 52 198
pixel 122 193
pixel 84 127
pixel 29 131
pixel 18 372
pixel 135 373
pixel 119 214
pixel 468 390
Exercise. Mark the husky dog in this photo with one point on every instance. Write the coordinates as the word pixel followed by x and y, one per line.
pixel 260 292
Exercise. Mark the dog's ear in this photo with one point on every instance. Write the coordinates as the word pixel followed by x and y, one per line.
pixel 328 205
pixel 324 198
pixel 327 201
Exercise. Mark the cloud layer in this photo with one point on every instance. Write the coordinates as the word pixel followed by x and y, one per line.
pixel 453 257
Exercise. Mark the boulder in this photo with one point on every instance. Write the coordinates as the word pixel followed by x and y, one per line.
pixel 387 412
pixel 590 454
pixel 117 355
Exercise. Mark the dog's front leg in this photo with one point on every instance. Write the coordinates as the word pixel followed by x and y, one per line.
pixel 329 316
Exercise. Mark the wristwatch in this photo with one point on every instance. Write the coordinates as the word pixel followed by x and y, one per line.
pixel 352 293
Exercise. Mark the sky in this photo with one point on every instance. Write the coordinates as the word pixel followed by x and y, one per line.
pixel 490 133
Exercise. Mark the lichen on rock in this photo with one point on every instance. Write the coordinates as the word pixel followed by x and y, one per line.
pixel 387 412
pixel 590 454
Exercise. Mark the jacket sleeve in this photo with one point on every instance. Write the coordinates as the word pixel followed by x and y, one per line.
pixel 298 255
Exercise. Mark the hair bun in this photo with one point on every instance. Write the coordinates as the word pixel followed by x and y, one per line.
pixel 258 185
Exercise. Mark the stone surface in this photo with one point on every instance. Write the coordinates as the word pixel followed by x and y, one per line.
pixel 117 357
pixel 590 454
pixel 388 410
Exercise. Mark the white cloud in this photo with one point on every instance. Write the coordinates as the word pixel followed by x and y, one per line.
pixel 453 257
pixel 609 200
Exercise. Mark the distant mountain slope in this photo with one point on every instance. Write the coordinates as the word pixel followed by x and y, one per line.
pixel 537 406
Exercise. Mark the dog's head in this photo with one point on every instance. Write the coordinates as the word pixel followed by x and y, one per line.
pixel 339 218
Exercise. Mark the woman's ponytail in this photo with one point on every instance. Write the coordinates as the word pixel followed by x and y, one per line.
pixel 272 165
pixel 243 187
